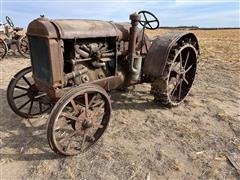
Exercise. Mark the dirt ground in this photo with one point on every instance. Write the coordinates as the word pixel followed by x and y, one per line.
pixel 144 141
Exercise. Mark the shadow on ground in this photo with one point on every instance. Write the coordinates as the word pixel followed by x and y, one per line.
pixel 19 136
pixel 25 139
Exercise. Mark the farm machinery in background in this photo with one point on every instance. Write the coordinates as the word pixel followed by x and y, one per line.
pixel 76 63
pixel 11 39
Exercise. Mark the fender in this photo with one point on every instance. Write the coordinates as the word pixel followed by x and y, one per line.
pixel 158 53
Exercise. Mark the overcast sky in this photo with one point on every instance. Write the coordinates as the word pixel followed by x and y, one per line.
pixel 202 13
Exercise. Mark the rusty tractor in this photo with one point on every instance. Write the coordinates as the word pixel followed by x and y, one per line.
pixel 13 40
pixel 76 63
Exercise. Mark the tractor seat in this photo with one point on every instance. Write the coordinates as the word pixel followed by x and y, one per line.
pixel 17 29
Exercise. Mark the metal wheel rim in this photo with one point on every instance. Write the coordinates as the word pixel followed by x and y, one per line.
pixel 23 47
pixel 34 101
pixel 3 49
pixel 58 109
pixel 190 67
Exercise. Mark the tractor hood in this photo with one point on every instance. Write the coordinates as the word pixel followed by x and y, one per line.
pixel 74 29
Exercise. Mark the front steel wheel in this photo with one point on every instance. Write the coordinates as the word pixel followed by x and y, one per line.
pixel 173 87
pixel 23 96
pixel 78 120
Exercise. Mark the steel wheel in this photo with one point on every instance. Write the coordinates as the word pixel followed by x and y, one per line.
pixel 78 120
pixel 23 47
pixel 174 86
pixel 23 96
pixel 3 49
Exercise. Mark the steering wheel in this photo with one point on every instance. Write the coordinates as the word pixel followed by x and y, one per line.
pixel 9 21
pixel 146 22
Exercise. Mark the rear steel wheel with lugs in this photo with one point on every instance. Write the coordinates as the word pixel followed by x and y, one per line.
pixel 173 87
pixel 78 120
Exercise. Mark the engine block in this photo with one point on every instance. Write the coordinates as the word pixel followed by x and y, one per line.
pixel 96 57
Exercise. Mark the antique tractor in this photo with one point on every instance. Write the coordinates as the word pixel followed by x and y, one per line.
pixel 13 38
pixel 75 64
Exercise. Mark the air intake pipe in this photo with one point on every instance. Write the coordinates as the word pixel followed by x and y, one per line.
pixel 135 62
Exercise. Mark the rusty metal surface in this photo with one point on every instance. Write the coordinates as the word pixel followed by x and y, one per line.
pixel 123 30
pixel 135 18
pixel 69 29
pixel 51 33
pixel 57 62
pixel 173 86
pixel 72 59
pixel 158 53
pixel 47 60
pixel 45 87
pixel 128 36
pixel 77 28
pixel 42 27
pixel 92 111
pixel 55 93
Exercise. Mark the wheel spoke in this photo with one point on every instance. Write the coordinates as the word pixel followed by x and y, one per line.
pixel 30 108
pixel 186 59
pixel 97 111
pixel 98 126
pixel 188 69
pixel 26 80
pixel 180 90
pixel 21 87
pixel 67 137
pixel 23 46
pixel 24 104
pixel 186 81
pixel 175 88
pixel 24 42
pixel 175 68
pixel 174 65
pixel 40 95
pixel 69 116
pixel 97 104
pixel 180 62
pixel 16 97
pixel 74 106
pixel 92 100
pixel 86 104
